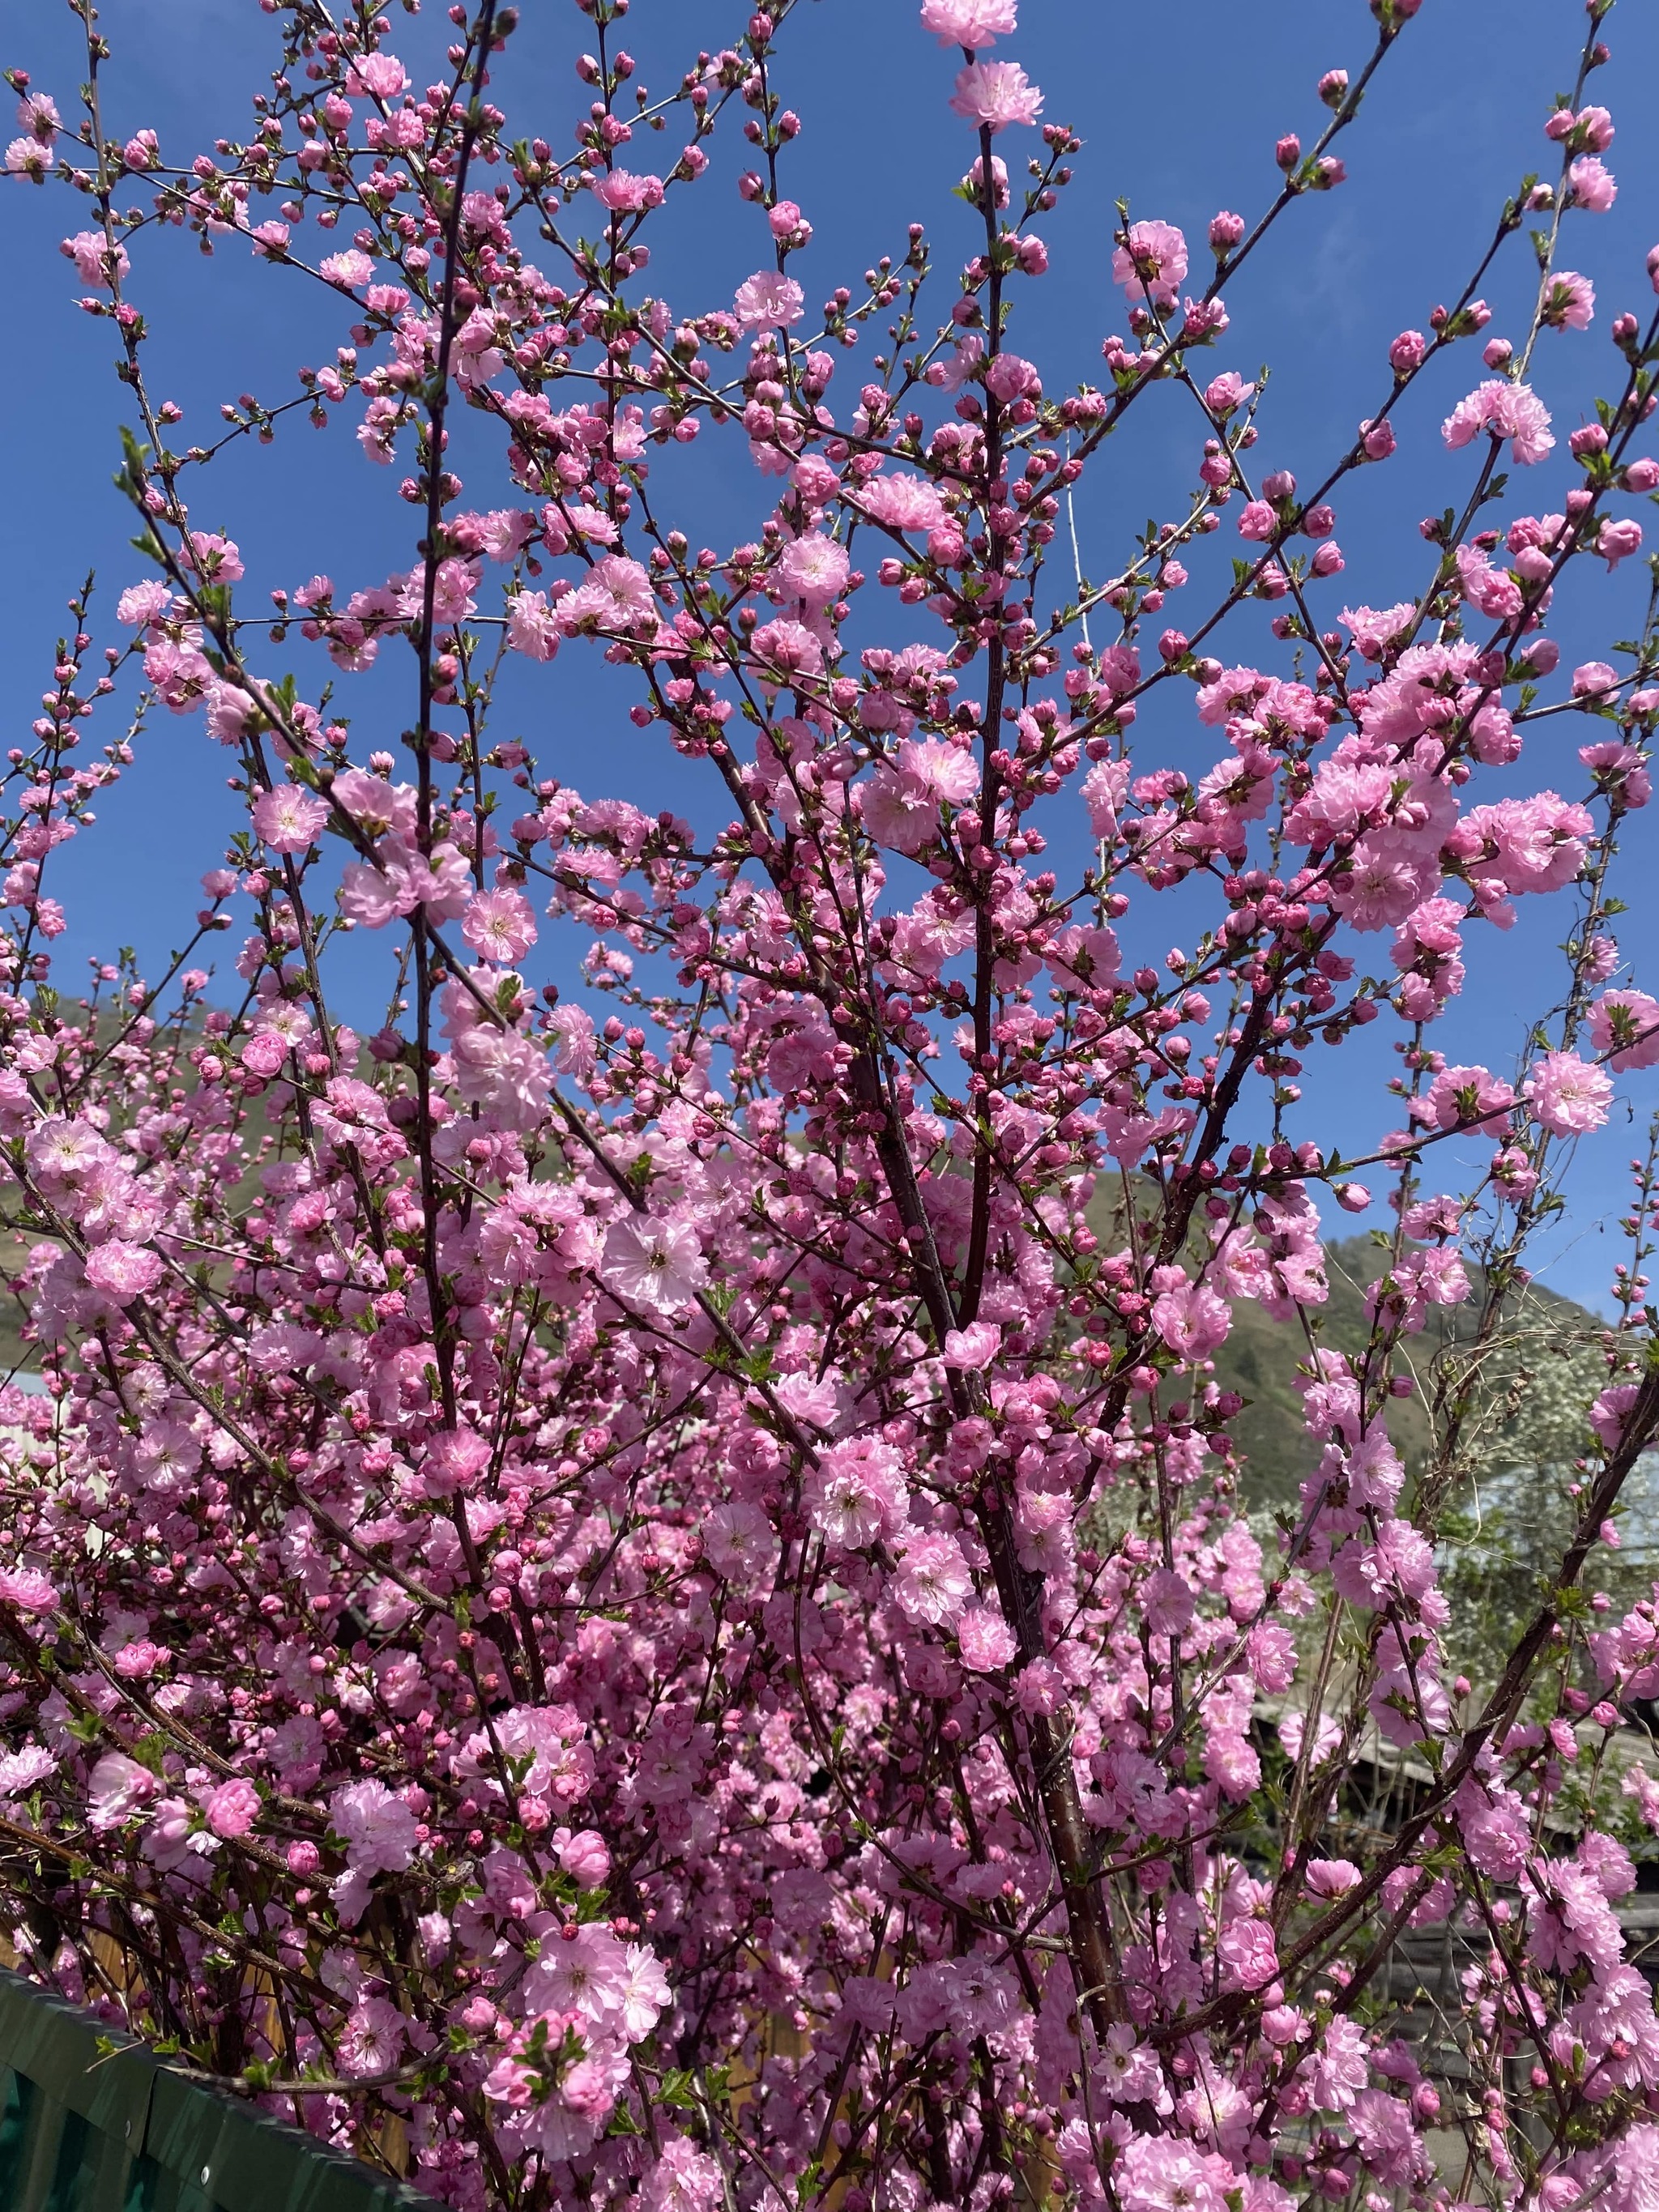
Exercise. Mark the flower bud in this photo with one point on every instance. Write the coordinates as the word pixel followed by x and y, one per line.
pixel 1408 352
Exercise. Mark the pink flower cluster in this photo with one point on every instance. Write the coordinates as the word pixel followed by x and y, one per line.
pixel 638 1581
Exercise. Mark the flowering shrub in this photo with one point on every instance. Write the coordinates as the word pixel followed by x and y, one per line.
pixel 655 1602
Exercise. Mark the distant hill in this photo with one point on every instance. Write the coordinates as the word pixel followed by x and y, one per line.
pixel 1260 1357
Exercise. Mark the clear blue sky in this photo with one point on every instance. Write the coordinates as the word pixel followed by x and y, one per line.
pixel 1180 105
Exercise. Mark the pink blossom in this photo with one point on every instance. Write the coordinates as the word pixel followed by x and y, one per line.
pixel 986 1643
pixel 1258 522
pixel 1407 353
pixel 1246 1956
pixel 289 819
pixel 768 299
pixel 376 1826
pixel 28 1590
pixel 1159 2174
pixel 1567 1095
pixel 533 628
pixel 141 604
pixel 1625 1029
pixel 232 1807
pixel 624 193
pixel 1593 678
pixel 94 258
pixel 1009 377
pixel 1331 1878
pixel 1590 185
pixel 1504 410
pixel 123 1270
pixel 682 2179
pixel 1151 264
pixel 24 1770
pixel 1376 439
pixel 933 1581
pixel 1619 538
pixel 975 1347
pixel 375 2037
pixel 1272 1652
pixel 585 1858
pixel 813 569
pixel 348 270
pixel 1337 2070
pixel 789 648
pixel 903 502
pixel 381 74
pixel 1225 393
pixel 970 23
pixel 1193 1319
pixel 616 596
pixel 739 1543
pixel 655 1264
pixel 1609 1412
pixel 37 113
pixel 994 95
pixel 1497 1838
pixel 499 926
pixel 118 1788
pixel 1168 1602
pixel 857 1493
pixel 1232 1765
pixel 1569 301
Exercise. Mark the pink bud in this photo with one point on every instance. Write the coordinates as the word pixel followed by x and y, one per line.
pixel 1227 228
pixel 1288 152
pixel 1408 352
pixel 1377 439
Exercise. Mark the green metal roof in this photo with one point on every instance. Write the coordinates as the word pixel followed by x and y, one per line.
pixel 89 2130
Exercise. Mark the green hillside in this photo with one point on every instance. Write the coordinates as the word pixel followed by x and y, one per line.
pixel 1260 1357
pixel 1507 1512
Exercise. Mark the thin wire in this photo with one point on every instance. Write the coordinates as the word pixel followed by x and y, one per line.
pixel 1077 558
